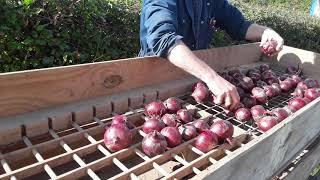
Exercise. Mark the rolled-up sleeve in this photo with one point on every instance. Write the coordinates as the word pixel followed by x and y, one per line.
pixel 160 24
pixel 232 20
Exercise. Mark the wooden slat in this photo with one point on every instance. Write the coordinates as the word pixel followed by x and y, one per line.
pixel 35 89
pixel 301 169
pixel 274 149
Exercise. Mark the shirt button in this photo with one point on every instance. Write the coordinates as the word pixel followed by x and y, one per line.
pixel 208 4
pixel 202 22
pixel 183 21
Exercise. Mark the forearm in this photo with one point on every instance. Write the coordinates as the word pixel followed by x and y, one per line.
pixel 255 32
pixel 182 57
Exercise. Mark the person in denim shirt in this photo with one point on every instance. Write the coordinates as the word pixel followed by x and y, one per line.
pixel 171 29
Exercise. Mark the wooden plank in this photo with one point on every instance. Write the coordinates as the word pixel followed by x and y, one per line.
pixel 310 61
pixel 309 161
pixel 35 89
pixel 274 149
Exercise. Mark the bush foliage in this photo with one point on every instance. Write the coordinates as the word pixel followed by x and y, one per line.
pixel 46 33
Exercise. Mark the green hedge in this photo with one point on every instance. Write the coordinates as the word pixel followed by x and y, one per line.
pixel 47 33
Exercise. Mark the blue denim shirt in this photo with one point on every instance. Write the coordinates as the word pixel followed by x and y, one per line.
pixel 164 22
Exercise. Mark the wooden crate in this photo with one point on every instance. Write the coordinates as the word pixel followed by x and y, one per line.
pixel 52 122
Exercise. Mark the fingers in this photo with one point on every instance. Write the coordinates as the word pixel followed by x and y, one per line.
pixel 228 100
pixel 235 99
pixel 219 99
pixel 279 44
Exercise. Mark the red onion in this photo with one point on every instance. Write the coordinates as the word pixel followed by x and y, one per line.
pixel 206 141
pixel 283 77
pixel 269 91
pixel 255 76
pixel 311 83
pixel 228 78
pixel 261 84
pixel 155 108
pixel 238 76
pixel 153 125
pixel 306 100
pixel 170 120
pixel 269 47
pixel 241 92
pixel 291 69
pixel 234 71
pixel 258 111
pixel 172 136
pixel 285 85
pixel 154 144
pixel 266 123
pixel 259 94
pixel 253 70
pixel 272 80
pixel 298 92
pixel 201 125
pixel 249 101
pixel 243 114
pixel 198 84
pixel 276 88
pixel 292 82
pixel 296 79
pixel 264 67
pixel 311 94
pixel 296 104
pixel 302 85
pixel 280 114
pixel 122 119
pixel 223 129
pixel 267 74
pixel 188 131
pixel 200 93
pixel 246 84
pixel 173 104
pixel 117 137
pixel 184 116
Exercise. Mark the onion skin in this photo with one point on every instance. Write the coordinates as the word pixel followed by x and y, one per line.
pixel 200 94
pixel 246 84
pixel 272 80
pixel 285 86
pixel 249 101
pixel 280 113
pixel 184 116
pixel 269 47
pixel 170 120
pixel 254 76
pixel 173 104
pixel 264 67
pixel 155 108
pixel 241 92
pixel 187 131
pixel 122 119
pixel 243 114
pixel 277 89
pixel 198 84
pixel 296 104
pixel 153 125
pixel 261 84
pixel 296 79
pixel 154 144
pixel 259 94
pixel 298 92
pixel 266 123
pixel 117 137
pixel 257 112
pixel 268 74
pixel 311 83
pixel 291 69
pixel 311 94
pixel 269 91
pixel 206 141
pixel 302 85
pixel 201 125
pixel 292 82
pixel 172 135
pixel 223 129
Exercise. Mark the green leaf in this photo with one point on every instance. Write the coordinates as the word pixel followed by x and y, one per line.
pixel 27 2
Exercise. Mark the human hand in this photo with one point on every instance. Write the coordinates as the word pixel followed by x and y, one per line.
pixel 271 42
pixel 224 92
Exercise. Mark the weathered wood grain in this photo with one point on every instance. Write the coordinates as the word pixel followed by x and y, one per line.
pixel 32 90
